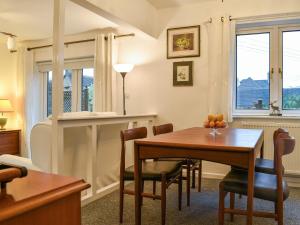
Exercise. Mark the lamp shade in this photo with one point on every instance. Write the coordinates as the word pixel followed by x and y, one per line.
pixel 123 68
pixel 11 43
pixel 5 105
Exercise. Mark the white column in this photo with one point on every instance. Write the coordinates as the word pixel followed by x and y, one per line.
pixel 57 84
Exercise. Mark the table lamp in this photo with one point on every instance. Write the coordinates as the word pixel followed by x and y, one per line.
pixel 5 106
pixel 123 69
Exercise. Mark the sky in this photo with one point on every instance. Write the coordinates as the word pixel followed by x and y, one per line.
pixel 253 57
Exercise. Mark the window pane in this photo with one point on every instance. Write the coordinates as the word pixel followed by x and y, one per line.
pixel 253 63
pixel 87 89
pixel 49 93
pixel 67 91
pixel 291 72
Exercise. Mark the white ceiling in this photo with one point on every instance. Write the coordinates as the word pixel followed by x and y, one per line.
pixel 32 19
pixel 160 4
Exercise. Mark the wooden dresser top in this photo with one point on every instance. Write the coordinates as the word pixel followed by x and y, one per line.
pixel 35 190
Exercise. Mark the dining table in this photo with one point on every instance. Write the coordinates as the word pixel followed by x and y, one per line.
pixel 230 146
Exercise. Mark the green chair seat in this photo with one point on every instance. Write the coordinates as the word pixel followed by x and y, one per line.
pixel 153 170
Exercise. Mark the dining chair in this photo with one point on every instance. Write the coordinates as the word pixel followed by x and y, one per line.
pixel 267 165
pixel 270 187
pixel 163 171
pixel 188 164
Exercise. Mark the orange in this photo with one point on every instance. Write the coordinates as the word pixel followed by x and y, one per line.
pixel 206 124
pixel 211 124
pixel 222 124
pixel 220 117
pixel 211 117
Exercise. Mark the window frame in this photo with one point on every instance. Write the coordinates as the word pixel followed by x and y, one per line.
pixel 276 63
pixel 76 65
pixel 281 29
pixel 246 31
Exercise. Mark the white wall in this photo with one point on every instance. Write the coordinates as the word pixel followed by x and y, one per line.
pixel 8 87
pixel 149 85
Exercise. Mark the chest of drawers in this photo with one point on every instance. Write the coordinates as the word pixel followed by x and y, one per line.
pixel 10 142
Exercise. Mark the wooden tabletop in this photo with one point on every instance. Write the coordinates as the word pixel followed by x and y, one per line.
pixel 35 190
pixel 194 138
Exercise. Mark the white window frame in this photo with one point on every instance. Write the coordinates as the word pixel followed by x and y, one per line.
pixel 276 54
pixel 76 65
pixel 281 29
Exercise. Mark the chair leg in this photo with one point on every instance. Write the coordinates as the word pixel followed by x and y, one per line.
pixel 280 213
pixel 199 175
pixel 193 177
pixel 222 195
pixel 180 190
pixel 232 199
pixel 154 188
pixel 276 211
pixel 143 184
pixel 121 201
pixel 163 199
pixel 188 185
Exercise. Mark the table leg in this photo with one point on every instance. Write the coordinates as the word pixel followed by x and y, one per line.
pixel 250 192
pixel 138 184
pixel 262 151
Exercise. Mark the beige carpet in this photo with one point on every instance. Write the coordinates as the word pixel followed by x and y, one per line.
pixel 203 209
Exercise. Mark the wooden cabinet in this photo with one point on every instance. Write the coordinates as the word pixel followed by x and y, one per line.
pixel 10 142
pixel 42 199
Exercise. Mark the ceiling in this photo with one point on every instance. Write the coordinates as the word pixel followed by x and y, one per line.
pixel 160 4
pixel 33 19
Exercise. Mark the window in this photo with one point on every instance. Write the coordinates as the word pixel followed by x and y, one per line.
pixel 253 63
pixel 266 69
pixel 78 90
pixel 290 70
pixel 87 89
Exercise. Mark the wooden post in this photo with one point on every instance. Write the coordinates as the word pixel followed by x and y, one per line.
pixel 57 83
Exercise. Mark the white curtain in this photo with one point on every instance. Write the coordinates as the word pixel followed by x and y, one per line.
pixel 228 66
pixel 221 55
pixel 214 68
pixel 105 77
pixel 29 84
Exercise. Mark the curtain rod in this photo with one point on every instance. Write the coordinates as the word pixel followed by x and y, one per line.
pixel 81 41
pixel 270 16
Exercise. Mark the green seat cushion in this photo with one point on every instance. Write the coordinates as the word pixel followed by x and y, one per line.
pixel 265 185
pixel 154 170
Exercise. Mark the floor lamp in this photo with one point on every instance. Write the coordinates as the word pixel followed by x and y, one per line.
pixel 123 69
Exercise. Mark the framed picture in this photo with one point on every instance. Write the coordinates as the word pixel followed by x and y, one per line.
pixel 183 42
pixel 183 73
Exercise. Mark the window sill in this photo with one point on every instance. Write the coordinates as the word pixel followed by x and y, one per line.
pixel 283 117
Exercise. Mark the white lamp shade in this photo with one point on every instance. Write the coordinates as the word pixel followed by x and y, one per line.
pixel 11 43
pixel 123 68
pixel 5 105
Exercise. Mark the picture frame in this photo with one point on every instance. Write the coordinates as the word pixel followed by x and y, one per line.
pixel 183 42
pixel 183 73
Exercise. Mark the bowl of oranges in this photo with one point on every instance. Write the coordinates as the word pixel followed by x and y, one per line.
pixel 214 122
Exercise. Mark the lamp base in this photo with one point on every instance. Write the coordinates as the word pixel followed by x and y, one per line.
pixel 3 122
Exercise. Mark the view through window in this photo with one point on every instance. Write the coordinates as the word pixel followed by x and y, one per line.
pixel 267 71
pixel 253 57
pixel 85 93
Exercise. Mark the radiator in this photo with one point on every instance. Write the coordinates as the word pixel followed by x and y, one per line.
pixel 291 162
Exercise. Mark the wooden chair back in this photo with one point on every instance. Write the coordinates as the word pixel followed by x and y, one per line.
pixel 275 136
pixel 163 129
pixel 277 132
pixel 284 145
pixel 127 135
